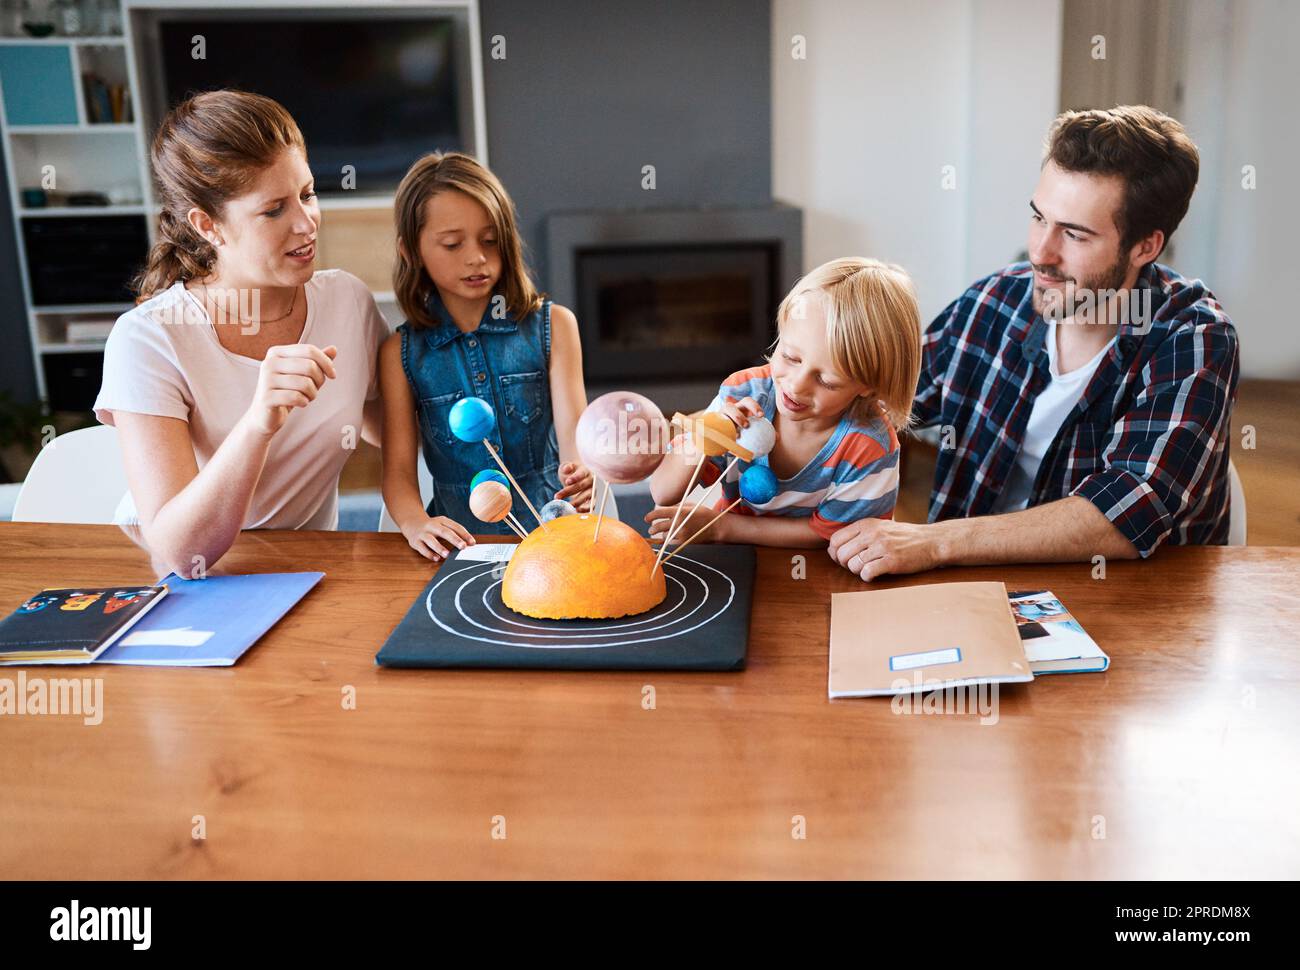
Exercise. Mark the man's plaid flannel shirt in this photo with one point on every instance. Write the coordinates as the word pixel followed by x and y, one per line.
pixel 1148 442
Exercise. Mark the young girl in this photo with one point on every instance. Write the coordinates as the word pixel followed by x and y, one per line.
pixel 475 327
pixel 838 389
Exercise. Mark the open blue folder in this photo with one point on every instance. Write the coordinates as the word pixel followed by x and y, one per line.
pixel 211 622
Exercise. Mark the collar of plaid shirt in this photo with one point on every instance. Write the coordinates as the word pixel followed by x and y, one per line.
pixel 1148 440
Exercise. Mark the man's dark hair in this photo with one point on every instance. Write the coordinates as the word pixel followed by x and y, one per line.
pixel 1148 149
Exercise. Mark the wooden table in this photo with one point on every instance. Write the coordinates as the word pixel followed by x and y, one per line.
pixel 1184 755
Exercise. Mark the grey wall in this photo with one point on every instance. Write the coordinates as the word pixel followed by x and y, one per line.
pixel 588 93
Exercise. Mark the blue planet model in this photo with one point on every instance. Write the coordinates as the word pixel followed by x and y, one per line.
pixel 758 485
pixel 472 419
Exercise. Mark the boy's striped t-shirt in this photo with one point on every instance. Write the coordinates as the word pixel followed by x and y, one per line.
pixel 854 475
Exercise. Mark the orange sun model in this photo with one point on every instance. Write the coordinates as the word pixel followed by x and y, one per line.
pixel 560 573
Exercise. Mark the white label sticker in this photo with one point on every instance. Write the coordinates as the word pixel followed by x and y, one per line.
pixel 488 551
pixel 180 637
pixel 910 661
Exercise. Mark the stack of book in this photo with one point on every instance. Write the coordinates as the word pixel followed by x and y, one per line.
pixel 106 103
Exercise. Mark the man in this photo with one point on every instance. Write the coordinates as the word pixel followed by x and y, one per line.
pixel 1084 398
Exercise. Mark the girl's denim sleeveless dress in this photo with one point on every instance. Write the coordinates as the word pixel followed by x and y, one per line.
pixel 507 363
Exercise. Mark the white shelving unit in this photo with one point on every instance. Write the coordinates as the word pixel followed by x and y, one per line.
pixel 87 156
pixel 118 152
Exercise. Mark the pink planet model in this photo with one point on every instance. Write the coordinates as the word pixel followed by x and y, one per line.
pixel 622 437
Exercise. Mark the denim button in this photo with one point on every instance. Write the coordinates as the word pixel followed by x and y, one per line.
pixel 473 342
pixel 480 377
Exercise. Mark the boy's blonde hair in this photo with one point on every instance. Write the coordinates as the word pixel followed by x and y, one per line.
pixel 873 328
pixel 455 171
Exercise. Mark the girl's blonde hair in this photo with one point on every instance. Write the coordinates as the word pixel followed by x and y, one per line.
pixel 439 172
pixel 873 328
pixel 205 153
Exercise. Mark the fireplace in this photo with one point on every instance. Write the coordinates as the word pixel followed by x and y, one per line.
pixel 666 294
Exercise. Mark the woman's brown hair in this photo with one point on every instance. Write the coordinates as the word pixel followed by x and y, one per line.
pixel 205 153
pixel 439 172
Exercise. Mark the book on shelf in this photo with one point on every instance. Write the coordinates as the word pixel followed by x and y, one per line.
pixel 88 331
pixel 106 103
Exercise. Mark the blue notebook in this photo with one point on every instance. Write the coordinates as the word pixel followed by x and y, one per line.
pixel 209 622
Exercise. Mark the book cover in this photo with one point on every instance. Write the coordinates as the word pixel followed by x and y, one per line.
pixel 1055 642
pixel 923 638
pixel 210 622
pixel 73 625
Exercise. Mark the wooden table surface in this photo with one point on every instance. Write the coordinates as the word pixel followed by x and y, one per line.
pixel 1184 755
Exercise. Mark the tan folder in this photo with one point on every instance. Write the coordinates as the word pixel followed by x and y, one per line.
pixel 920 638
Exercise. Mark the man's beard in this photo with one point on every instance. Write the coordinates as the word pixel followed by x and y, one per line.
pixel 1055 305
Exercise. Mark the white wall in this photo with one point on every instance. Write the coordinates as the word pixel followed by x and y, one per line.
pixel 1242 79
pixel 889 94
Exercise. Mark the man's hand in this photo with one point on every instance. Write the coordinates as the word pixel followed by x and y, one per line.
pixel 873 547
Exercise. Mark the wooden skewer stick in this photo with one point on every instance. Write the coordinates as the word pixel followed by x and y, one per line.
pixel 522 494
pixel 678 511
pixel 700 533
pixel 604 497
pixel 516 525
pixel 703 501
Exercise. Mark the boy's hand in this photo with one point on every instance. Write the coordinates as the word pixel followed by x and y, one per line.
pixel 741 411
pixel 433 537
pixel 693 518
pixel 576 480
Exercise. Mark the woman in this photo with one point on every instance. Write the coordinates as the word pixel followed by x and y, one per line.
pixel 242 379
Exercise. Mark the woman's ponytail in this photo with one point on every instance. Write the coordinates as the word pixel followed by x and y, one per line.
pixel 179 254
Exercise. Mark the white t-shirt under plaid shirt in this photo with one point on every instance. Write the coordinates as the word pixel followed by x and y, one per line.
pixel 854 475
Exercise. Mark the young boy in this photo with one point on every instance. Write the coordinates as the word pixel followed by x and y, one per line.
pixel 838 388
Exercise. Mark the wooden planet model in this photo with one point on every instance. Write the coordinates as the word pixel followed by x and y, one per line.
pixel 490 501
pixel 561 574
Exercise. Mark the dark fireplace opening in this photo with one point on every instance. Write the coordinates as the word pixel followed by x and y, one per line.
pixel 673 310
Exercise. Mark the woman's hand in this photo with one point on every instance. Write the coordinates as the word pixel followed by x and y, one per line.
pixel 432 537
pixel 693 518
pixel 576 480
pixel 290 377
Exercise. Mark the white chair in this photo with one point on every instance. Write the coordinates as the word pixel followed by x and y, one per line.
pixel 78 477
pixel 1236 508
pixel 386 523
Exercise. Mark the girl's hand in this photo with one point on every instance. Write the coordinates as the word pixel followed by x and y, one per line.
pixel 290 377
pixel 432 537
pixel 741 411
pixel 576 480
pixel 693 518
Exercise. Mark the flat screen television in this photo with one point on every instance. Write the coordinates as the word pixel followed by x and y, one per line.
pixel 373 93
